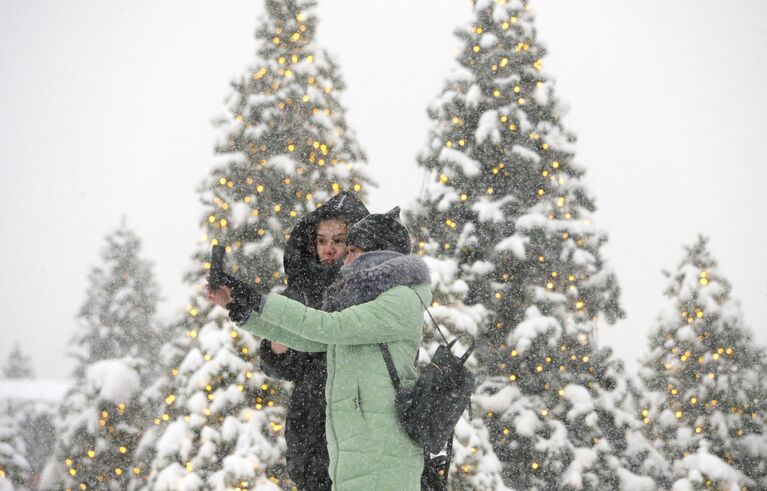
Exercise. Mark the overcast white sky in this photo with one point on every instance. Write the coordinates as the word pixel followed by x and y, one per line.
pixel 105 111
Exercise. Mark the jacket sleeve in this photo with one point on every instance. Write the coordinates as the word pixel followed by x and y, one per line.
pixel 283 366
pixel 258 327
pixel 395 315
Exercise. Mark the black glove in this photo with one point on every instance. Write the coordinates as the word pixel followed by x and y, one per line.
pixel 245 299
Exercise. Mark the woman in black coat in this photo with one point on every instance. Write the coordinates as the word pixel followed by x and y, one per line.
pixel 312 260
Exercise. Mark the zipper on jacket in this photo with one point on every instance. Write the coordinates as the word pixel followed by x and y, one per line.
pixel 329 414
pixel 358 401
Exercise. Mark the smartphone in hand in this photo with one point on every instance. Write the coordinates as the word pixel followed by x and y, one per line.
pixel 217 277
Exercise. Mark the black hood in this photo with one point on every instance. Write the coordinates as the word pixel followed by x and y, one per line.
pixel 307 277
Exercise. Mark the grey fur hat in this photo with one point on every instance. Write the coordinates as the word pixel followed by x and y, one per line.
pixel 380 232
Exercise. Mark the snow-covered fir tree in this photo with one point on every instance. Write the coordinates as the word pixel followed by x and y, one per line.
pixel 30 408
pixel 18 365
pixel 285 149
pixel 706 409
pixel 507 209
pixel 36 423
pixel 117 317
pixel 115 346
pixel 14 467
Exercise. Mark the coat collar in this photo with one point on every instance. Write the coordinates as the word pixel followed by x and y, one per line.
pixel 370 275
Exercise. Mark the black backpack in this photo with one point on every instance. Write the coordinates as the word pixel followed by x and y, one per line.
pixel 429 411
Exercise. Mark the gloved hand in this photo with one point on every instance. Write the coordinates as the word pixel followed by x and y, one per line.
pixel 245 298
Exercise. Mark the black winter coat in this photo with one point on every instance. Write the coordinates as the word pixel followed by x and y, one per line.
pixel 307 454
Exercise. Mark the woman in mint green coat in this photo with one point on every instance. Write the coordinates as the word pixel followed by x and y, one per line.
pixel 380 298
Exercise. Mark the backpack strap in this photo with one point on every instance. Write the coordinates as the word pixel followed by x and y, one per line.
pixel 450 344
pixel 432 318
pixel 390 365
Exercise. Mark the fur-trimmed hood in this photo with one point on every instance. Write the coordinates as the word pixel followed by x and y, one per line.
pixel 371 274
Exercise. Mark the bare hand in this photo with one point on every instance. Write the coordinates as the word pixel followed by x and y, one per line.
pixel 279 348
pixel 221 297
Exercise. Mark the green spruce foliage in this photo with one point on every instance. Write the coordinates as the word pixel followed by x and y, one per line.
pixel 102 419
pixel 284 149
pixel 507 213
pixel 707 398
pixel 17 365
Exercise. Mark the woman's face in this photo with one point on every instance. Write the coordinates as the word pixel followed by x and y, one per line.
pixel 353 252
pixel 331 241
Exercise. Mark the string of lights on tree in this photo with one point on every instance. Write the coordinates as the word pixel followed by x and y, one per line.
pixel 285 149
pixel 507 205
pixel 102 418
pixel 705 373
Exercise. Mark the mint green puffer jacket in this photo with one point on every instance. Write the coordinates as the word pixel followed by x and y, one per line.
pixel 368 449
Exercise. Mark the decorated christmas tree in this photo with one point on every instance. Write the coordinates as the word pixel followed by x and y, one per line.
pixel 115 345
pixel 17 365
pixel 285 149
pixel 507 211
pixel 706 409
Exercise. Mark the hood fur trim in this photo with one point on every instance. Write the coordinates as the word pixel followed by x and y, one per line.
pixel 372 274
